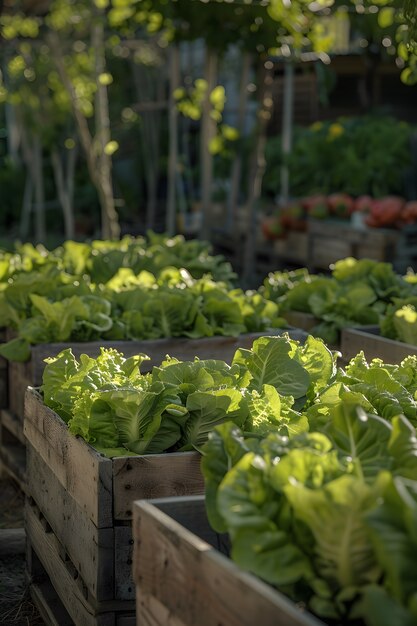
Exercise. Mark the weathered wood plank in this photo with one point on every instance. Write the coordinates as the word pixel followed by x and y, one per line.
pixel 305 321
pixel 90 549
pixel 62 579
pixel 201 586
pixel 124 588
pixel 20 376
pixel 49 605
pixel 13 424
pixel 13 457
pixel 373 345
pixel 154 476
pixel 81 470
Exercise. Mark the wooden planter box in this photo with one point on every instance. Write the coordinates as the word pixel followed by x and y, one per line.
pixel 29 374
pixel 373 345
pixel 78 516
pixel 293 249
pixel 330 241
pixel 304 321
pixel 182 578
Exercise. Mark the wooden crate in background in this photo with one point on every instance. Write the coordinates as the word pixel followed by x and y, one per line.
pixel 184 577
pixel 79 511
pixel 330 241
pixel 373 345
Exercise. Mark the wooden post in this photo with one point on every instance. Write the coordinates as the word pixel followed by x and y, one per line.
pixel 208 132
pixel 173 141
pixel 287 122
pixel 257 169
pixel 232 213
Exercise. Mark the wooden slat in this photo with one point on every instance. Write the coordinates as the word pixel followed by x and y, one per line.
pixel 83 472
pixel 305 321
pixel 68 589
pixel 330 241
pixel 13 424
pixel 90 549
pixel 49 605
pixel 20 376
pixel 13 457
pixel 182 581
pixel 154 476
pixel 373 345
pixel 124 588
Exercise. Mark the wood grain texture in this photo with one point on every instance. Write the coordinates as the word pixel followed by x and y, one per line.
pixel 13 457
pixel 373 345
pixel 47 561
pixel 182 581
pixel 154 476
pixel 63 579
pixel 81 470
pixel 13 424
pixel 49 605
pixel 90 549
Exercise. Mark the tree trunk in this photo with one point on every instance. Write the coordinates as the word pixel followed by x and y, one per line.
pixel 40 226
pixel 257 170
pixel 208 132
pixel 24 224
pixel 109 218
pixel 64 192
pixel 233 204
pixel 287 123
pixel 173 141
pixel 100 179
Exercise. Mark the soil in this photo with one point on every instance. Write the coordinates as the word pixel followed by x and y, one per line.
pixel 16 606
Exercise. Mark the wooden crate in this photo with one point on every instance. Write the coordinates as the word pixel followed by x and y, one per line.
pixel 298 319
pixel 294 248
pixel 330 241
pixel 79 511
pixel 182 578
pixel 29 374
pixel 373 345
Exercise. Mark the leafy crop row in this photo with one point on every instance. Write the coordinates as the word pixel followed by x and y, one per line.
pixel 358 292
pixel 329 515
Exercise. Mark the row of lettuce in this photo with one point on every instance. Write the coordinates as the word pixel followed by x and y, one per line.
pixel 355 293
pixel 310 468
pixel 133 289
pixel 160 287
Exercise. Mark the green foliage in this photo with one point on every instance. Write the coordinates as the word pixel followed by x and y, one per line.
pixel 366 155
pixel 109 403
pixel 357 293
pixel 328 516
pixel 128 289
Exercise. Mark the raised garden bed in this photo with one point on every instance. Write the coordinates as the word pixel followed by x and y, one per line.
pixel 329 241
pixel 29 374
pixel 373 345
pixel 184 577
pixel 79 511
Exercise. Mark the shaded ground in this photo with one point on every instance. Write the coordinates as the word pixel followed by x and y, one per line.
pixel 16 606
